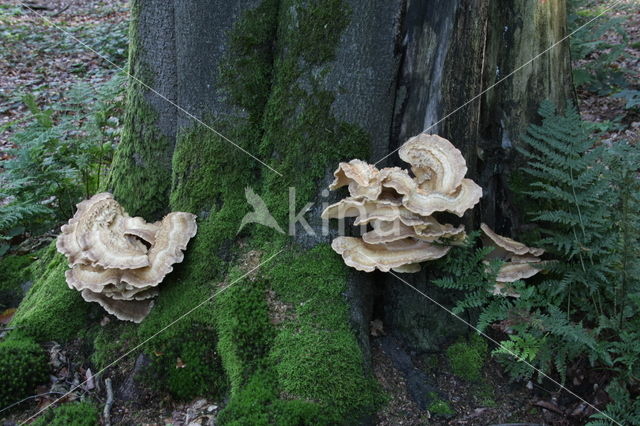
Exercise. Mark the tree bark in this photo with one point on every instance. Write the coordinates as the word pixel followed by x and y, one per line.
pixel 455 57
pixel 141 172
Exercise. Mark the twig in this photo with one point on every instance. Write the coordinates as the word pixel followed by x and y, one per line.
pixel 59 12
pixel 107 406
pixel 35 6
pixel 30 397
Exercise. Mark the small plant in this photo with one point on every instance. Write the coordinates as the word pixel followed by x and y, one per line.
pixel 438 407
pixel 485 395
pixel 466 358
pixel 61 156
pixel 624 408
pixel 463 270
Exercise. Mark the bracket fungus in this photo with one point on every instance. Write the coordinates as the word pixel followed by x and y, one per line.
pixel 399 207
pixel 521 262
pixel 117 260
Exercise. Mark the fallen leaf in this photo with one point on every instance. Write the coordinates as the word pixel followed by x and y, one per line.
pixel 6 316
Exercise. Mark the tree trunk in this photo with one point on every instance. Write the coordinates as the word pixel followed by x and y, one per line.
pixel 302 85
pixel 452 52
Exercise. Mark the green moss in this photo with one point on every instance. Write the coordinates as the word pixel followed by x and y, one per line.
pixel 110 340
pixel 22 366
pixel 247 69
pixel 313 364
pixel 182 349
pixel 315 354
pixel 314 358
pixel 141 171
pixel 484 395
pixel 71 414
pixel 14 271
pixel 51 310
pixel 321 23
pixel 466 358
pixel 257 403
pixel 190 366
pixel 209 182
pixel 185 359
pixel 441 408
pixel 245 332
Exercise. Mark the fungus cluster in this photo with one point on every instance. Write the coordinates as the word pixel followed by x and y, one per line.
pixel 521 262
pixel 399 207
pixel 117 260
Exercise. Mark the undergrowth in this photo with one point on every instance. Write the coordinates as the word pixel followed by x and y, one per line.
pixel 60 157
pixel 584 308
pixel 598 70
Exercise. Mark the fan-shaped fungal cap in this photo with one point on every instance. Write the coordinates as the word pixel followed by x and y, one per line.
pixel 502 289
pixel 96 235
pixel 363 179
pixel 432 230
pixel 511 272
pixel 387 231
pixel 429 230
pixel 523 262
pixel 399 206
pixel 368 257
pixel 410 268
pixel 425 203
pixel 437 164
pixel 128 310
pixel 137 227
pixel 352 207
pixel 111 265
pixel 366 210
pixel 510 246
pixel 174 232
pixel 116 293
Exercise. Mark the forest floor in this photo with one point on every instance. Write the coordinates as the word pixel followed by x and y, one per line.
pixel 39 57
pixel 615 118
pixel 43 53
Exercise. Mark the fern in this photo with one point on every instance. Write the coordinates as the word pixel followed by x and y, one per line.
pixel 624 161
pixel 575 218
pixel 465 271
pixel 623 407
pixel 588 213
pixel 60 156
pixel 587 306
pixel 523 350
